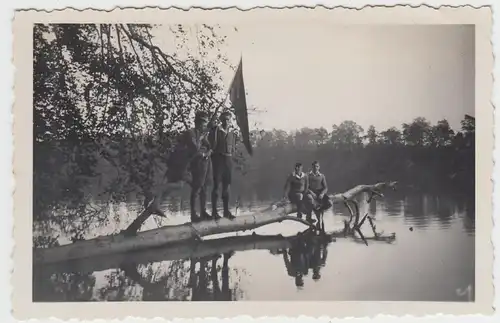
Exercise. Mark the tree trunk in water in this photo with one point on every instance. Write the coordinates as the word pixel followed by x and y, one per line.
pixel 124 242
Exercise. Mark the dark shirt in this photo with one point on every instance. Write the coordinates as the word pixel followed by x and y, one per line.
pixel 317 183
pixel 196 141
pixel 296 183
pixel 222 142
pixel 296 264
pixel 190 143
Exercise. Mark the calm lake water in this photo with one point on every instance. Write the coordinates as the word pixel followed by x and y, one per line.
pixel 432 259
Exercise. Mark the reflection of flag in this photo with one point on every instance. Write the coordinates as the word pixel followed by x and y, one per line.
pixel 238 100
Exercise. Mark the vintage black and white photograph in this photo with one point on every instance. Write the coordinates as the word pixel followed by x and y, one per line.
pixel 306 161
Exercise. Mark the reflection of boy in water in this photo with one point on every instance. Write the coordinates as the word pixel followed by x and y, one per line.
pixel 296 262
pixel 317 251
pixel 199 281
pixel 224 293
pixel 306 253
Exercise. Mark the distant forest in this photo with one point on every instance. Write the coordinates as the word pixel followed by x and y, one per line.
pixel 421 156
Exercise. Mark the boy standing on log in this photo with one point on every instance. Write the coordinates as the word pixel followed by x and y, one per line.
pixel 316 195
pixel 199 150
pixel 223 141
pixel 296 187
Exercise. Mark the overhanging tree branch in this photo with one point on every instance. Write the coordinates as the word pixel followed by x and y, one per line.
pixel 155 50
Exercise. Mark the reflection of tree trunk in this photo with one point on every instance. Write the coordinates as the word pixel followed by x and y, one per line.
pixel 169 234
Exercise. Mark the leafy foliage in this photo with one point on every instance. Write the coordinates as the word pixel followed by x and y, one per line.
pixel 107 97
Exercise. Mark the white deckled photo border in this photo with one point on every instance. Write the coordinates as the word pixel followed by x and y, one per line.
pixel 21 53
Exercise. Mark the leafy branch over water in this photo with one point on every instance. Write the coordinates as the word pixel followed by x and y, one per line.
pixel 108 105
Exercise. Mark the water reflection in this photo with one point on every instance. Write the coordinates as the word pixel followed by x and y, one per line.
pixel 307 252
pixel 198 281
pixel 266 265
pixel 62 287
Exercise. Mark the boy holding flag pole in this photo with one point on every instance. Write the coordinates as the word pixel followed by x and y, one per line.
pixel 223 141
pixel 219 149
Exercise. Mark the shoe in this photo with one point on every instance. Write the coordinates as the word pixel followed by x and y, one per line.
pixel 308 217
pixel 205 216
pixel 229 215
pixel 215 215
pixel 310 220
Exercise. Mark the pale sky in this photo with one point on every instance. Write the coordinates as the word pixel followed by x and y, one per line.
pixel 313 75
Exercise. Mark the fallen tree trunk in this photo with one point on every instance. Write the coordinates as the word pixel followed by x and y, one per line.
pixel 123 242
pixel 153 238
pixel 346 197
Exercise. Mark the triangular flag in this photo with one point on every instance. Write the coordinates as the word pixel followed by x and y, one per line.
pixel 237 96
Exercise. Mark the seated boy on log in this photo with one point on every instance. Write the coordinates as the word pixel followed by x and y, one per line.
pixel 296 188
pixel 317 198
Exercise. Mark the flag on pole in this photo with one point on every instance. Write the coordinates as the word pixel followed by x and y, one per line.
pixel 237 96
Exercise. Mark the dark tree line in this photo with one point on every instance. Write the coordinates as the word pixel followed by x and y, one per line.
pixel 350 135
pixel 419 155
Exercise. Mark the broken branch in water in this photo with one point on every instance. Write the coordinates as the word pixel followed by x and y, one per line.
pixel 152 206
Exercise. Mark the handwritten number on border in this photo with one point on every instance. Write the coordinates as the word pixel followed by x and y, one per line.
pixel 467 291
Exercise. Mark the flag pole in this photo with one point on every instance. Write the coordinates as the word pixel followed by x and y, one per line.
pixel 227 92
pixel 212 118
